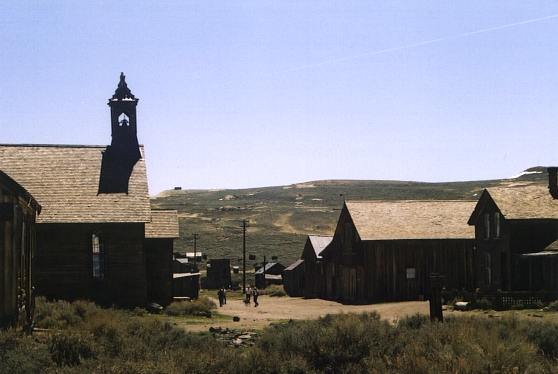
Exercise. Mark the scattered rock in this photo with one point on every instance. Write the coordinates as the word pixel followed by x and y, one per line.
pixel 236 319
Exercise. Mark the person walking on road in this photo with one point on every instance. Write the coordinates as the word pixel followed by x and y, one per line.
pixel 255 293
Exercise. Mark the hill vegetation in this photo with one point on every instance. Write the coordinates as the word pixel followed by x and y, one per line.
pixel 280 218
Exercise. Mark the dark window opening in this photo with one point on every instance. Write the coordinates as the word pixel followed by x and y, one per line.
pixel 98 256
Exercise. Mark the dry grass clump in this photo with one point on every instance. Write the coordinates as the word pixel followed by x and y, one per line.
pixel 275 291
pixel 199 307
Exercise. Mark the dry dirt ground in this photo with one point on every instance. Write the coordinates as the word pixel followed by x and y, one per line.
pixel 273 309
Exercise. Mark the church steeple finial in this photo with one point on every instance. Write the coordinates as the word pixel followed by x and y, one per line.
pixel 122 91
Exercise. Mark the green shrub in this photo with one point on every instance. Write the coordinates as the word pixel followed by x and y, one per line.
pixel 199 307
pixel 552 307
pixel 545 337
pixel 483 304
pixel 70 349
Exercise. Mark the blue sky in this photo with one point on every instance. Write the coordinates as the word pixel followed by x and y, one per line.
pixel 256 93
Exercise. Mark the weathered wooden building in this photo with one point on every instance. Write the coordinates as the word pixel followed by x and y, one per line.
pixel 314 279
pixel 218 273
pixel 271 273
pixel 18 212
pixel 386 250
pixel 160 234
pixel 186 285
pixel 293 278
pixel 516 230
pixel 91 233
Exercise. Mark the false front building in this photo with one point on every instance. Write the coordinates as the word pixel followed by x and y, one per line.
pixel 516 230
pixel 387 250
pixel 91 233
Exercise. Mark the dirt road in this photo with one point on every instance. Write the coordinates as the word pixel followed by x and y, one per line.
pixel 273 309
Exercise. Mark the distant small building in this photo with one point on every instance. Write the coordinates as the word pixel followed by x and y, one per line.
pixel 18 211
pixel 186 285
pixel 160 234
pixel 182 265
pixel 194 257
pixel 516 231
pixel 218 273
pixel 270 274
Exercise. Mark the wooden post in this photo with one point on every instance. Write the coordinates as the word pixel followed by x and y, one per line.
pixel 243 256
pixel 436 281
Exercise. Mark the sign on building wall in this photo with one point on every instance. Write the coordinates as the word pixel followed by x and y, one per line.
pixel 411 273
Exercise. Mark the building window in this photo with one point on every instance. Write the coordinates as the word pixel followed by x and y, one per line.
pixel 488 263
pixel 497 225
pixel 487 225
pixel 98 256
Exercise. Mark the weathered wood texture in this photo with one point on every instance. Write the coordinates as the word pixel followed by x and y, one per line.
pixel 18 212
pixel 379 270
pixel 65 263
pixel 293 279
pixel 499 264
pixel 158 255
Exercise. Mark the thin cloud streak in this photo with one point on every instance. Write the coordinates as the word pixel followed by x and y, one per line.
pixel 420 44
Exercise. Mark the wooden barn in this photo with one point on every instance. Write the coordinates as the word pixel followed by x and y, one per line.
pixel 516 230
pixel 314 279
pixel 386 250
pixel 18 212
pixel 293 278
pixel 91 232
pixel 160 234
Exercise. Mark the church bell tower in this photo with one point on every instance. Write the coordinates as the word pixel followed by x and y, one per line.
pixel 123 152
pixel 123 118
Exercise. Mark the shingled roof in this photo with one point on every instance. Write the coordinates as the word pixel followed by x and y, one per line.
pixel 525 202
pixel 65 181
pixel 412 219
pixel 164 224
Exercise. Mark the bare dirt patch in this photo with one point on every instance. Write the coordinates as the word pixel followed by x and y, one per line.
pixel 274 309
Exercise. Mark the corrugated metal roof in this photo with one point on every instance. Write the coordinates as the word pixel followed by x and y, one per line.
pixel 65 180
pixel 164 224
pixel 412 219
pixel 525 202
pixel 319 243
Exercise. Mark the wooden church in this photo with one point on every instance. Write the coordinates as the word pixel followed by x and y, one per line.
pixel 91 234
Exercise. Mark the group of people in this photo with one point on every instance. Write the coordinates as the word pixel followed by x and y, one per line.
pixel 249 293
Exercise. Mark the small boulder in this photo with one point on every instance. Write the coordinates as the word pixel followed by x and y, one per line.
pixel 236 319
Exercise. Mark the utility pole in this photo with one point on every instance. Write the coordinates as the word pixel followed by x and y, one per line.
pixel 243 255
pixel 196 236
pixel 264 281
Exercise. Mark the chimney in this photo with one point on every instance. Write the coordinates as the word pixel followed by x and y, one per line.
pixel 553 181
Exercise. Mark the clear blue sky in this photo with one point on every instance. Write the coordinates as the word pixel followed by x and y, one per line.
pixel 240 94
